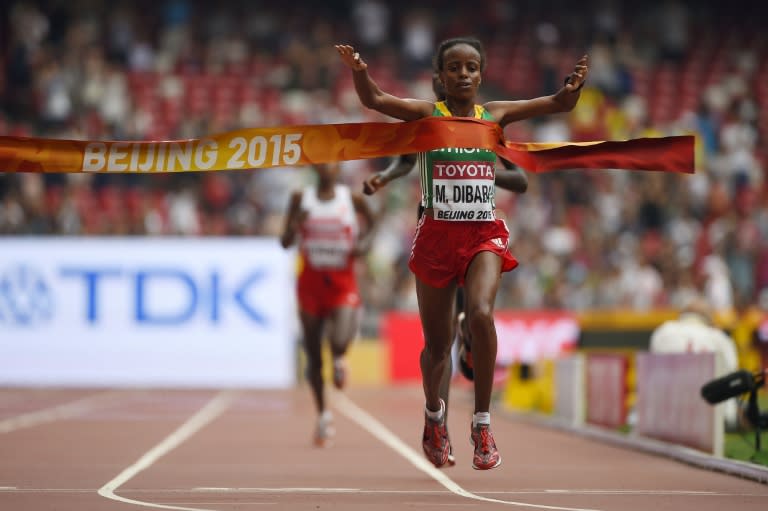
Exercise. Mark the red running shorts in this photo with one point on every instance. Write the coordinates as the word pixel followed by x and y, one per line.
pixel 442 251
pixel 322 292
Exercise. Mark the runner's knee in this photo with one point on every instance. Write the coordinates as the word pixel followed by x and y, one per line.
pixel 436 353
pixel 480 319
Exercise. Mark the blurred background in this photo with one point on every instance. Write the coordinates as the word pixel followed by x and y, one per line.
pixel 622 251
pixel 160 70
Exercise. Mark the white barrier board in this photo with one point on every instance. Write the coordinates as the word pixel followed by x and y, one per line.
pixel 204 312
pixel 570 389
pixel 669 402
pixel 606 388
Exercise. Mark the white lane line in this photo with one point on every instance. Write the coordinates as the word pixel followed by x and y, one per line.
pixel 417 504
pixel 205 489
pixel 214 490
pixel 205 415
pixel 668 493
pixel 635 492
pixel 229 502
pixel 59 412
pixel 356 414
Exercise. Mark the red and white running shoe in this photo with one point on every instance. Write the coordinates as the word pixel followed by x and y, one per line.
pixel 435 442
pixel 486 455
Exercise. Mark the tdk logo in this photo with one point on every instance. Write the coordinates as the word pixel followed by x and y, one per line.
pixel 147 296
pixel 25 297
pixel 195 297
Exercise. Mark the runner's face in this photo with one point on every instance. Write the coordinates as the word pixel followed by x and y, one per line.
pixel 327 173
pixel 461 71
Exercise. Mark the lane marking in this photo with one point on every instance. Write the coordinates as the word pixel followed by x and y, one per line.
pixel 356 414
pixel 58 412
pixel 277 490
pixel 205 489
pixel 213 490
pixel 205 415
pixel 424 504
pixel 668 493
pixel 637 492
pixel 229 503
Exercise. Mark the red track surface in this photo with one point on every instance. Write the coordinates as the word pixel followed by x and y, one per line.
pixel 251 450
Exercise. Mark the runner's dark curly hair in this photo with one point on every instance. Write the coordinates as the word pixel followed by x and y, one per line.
pixel 450 43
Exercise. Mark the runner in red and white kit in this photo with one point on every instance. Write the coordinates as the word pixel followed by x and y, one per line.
pixel 325 220
pixel 459 240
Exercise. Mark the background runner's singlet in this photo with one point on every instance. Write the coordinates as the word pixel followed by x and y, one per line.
pixel 459 183
pixel 329 232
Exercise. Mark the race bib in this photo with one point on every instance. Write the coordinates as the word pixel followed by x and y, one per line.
pixel 463 190
pixel 327 243
pixel 328 254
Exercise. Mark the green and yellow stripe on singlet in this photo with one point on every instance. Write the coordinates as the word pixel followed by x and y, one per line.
pixel 426 160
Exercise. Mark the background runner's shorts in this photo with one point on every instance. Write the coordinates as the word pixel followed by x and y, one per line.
pixel 322 292
pixel 443 250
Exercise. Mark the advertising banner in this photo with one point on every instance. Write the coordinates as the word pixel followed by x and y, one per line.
pixel 255 148
pixel 203 312
pixel 523 336
pixel 606 383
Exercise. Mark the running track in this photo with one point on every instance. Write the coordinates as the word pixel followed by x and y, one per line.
pixel 92 449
